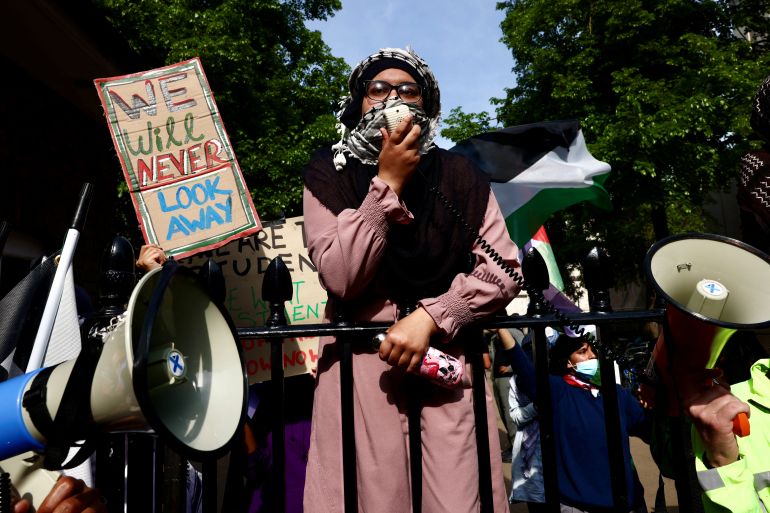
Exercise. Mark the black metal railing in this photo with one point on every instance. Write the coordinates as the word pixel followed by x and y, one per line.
pixel 119 278
pixel 597 273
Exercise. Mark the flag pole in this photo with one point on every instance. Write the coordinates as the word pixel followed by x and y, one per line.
pixel 45 329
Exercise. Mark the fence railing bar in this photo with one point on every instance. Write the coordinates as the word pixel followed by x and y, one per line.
pixel 348 427
pixel 278 421
pixel 534 267
pixel 599 276
pixel 482 429
pixel 609 394
pixel 414 415
pixel 537 319
pixel 370 329
pixel 546 418
pixel 276 290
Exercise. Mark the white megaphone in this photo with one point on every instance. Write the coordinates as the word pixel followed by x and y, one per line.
pixel 172 364
pixel 713 286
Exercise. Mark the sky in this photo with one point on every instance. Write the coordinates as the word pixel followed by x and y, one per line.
pixel 460 41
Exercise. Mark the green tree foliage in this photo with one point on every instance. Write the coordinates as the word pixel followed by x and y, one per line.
pixel 275 82
pixel 663 90
pixel 460 125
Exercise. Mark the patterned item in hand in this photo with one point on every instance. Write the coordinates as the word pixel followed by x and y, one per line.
pixel 443 369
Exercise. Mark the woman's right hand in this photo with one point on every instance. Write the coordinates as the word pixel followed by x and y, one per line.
pixel 400 154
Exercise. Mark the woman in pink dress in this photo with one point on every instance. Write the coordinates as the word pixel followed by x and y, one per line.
pixel 383 241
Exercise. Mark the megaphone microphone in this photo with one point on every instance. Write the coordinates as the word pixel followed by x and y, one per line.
pixel 171 365
pixel 713 285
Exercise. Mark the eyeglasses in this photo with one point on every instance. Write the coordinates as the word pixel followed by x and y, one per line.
pixel 379 90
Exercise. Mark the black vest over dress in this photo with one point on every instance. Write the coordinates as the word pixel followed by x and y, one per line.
pixel 421 258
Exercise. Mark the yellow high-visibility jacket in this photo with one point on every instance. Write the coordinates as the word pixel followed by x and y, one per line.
pixel 742 486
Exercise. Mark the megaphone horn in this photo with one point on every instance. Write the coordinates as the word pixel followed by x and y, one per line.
pixel 713 285
pixel 172 364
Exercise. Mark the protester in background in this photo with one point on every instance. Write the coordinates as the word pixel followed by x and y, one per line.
pixel 501 386
pixel 583 471
pixel 527 464
pixel 732 470
pixel 383 241
pixel 754 178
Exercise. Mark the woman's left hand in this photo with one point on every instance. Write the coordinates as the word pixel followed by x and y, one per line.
pixel 407 341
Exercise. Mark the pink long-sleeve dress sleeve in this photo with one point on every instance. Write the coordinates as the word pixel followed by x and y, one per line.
pixel 347 249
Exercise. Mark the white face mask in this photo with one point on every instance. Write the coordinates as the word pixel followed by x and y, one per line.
pixel 587 367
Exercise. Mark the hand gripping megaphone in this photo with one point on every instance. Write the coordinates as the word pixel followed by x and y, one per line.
pixel 171 364
pixel 713 286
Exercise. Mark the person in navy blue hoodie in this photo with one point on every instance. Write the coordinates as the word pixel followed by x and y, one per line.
pixel 583 470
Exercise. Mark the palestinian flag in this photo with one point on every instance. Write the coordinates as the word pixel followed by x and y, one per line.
pixel 541 243
pixel 536 170
pixel 555 291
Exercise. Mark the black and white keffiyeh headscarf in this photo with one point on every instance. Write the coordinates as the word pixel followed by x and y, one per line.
pixel 360 135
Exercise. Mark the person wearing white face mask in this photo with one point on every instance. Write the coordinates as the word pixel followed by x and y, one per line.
pixel 583 471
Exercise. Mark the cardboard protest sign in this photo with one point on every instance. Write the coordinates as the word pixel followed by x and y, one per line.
pixel 244 262
pixel 185 182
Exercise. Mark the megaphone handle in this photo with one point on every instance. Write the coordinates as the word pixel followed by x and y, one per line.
pixel 741 425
